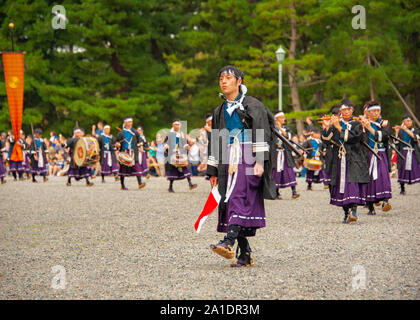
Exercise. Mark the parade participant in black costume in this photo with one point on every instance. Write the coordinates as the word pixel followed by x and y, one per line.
pixel 128 140
pixel 176 154
pixel 350 171
pixel 75 171
pixel 283 173
pixel 408 168
pixel 39 156
pixel 108 159
pixel 243 126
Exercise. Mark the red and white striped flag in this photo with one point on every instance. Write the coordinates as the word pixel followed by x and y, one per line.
pixel 211 204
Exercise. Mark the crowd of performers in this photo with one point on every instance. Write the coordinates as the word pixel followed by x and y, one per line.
pixel 350 155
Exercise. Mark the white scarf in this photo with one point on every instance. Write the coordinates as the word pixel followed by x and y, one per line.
pixel 233 105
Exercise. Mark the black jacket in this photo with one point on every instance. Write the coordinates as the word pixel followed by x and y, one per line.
pixel 255 116
pixel 356 160
pixel 33 151
pixel 415 144
pixel 287 151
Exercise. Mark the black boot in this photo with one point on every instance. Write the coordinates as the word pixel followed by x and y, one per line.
pixel 171 189
pixel 371 209
pixel 123 187
pixel 14 175
pixel 346 214
pixel 33 178
pixel 45 178
pixel 244 258
pixel 353 214
pixel 278 194
pixel 309 186
pixel 402 189
pixel 68 181
pixel 295 195
pixel 103 178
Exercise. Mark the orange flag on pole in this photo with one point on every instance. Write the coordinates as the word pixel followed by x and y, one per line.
pixel 14 66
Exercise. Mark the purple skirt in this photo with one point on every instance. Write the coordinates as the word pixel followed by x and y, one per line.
pixel 285 178
pixel 27 157
pixel 2 168
pixel 135 170
pixel 79 172
pixel 16 166
pixel 312 178
pixel 409 176
pixel 177 173
pixel 106 169
pixel 354 193
pixel 245 206
pixel 144 167
pixel 37 170
pixel 380 188
pixel 325 178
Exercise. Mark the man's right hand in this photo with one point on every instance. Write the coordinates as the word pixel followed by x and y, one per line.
pixel 214 181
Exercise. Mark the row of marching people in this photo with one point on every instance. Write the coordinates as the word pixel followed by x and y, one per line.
pixel 351 157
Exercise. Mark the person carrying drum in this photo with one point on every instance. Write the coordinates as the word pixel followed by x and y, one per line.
pixel 313 149
pixel 107 155
pixel 39 157
pixel 176 146
pixel 350 171
pixel 283 173
pixel 128 141
pixel 77 172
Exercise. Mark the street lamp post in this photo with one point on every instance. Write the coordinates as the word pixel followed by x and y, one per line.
pixel 280 53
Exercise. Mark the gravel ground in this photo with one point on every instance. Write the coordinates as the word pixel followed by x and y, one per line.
pixel 141 244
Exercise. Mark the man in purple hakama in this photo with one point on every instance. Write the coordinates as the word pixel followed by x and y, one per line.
pixel 39 156
pixel 108 159
pixel 75 171
pixel 409 167
pixel 350 171
pixel 377 133
pixel 143 148
pixel 313 146
pixel 128 140
pixel 244 174
pixel 176 166
pixel 283 173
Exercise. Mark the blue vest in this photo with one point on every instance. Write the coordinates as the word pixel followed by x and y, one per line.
pixel 107 145
pixel 315 147
pixel 128 143
pixel 234 125
pixel 376 126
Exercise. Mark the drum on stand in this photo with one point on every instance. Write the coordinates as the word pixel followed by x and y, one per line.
pixel 86 152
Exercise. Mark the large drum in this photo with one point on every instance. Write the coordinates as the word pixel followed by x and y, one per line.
pixel 86 152
pixel 312 164
pixel 126 159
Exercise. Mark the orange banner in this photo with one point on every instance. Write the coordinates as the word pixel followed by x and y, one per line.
pixel 14 67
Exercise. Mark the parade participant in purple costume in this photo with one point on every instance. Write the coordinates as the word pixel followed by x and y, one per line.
pixel 283 173
pixel 128 140
pixel 2 168
pixel 108 159
pixel 350 171
pixel 74 171
pixel 26 154
pixel 243 174
pixel 313 147
pixel 39 156
pixel 408 168
pixel 15 167
pixel 377 133
pixel 176 146
pixel 143 149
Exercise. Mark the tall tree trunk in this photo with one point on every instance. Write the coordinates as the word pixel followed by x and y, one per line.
pixel 372 87
pixel 294 94
pixel 319 98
